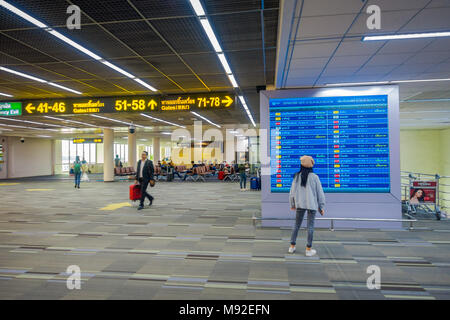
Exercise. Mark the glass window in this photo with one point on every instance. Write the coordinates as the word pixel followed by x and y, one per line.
pixel 65 151
pixel 72 151
pixel 86 152
pixel 93 147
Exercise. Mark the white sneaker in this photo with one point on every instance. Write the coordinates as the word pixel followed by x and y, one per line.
pixel 291 249
pixel 310 253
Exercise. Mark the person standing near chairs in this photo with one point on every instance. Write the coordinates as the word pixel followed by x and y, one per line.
pixel 242 169
pixel 144 176
pixel 306 195
pixel 77 171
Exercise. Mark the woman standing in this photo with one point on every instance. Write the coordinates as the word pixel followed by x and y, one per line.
pixel 306 195
pixel 77 171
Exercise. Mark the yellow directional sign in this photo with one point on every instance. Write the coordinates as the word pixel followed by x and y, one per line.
pixel 125 104
pixel 227 101
pixel 152 104
pixel 30 108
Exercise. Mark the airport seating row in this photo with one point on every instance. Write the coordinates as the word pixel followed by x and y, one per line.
pixel 124 171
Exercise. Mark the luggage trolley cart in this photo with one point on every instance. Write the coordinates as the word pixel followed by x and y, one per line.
pixel 422 196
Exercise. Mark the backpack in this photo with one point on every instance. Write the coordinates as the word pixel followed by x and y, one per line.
pixel 77 167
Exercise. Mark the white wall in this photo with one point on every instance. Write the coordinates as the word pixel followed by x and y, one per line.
pixel 31 158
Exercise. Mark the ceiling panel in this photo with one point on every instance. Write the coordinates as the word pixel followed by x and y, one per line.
pixel 239 31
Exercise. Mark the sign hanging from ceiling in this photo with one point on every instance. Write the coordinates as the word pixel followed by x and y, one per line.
pixel 10 109
pixel 184 102
pixel 87 140
pixel 197 102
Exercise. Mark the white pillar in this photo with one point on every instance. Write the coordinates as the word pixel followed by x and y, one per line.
pixel 132 150
pixel 108 155
pixel 156 149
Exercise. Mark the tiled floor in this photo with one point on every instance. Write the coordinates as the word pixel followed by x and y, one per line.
pixel 197 241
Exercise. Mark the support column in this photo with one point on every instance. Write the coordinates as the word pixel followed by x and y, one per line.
pixel 229 148
pixel 108 155
pixel 132 150
pixel 156 149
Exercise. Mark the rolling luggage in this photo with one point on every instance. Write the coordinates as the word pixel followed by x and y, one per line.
pixel 221 175
pixel 135 192
pixel 255 183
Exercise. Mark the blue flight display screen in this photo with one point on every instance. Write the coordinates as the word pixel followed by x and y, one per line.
pixel 348 137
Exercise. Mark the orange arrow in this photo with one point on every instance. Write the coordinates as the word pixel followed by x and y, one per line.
pixel 30 108
pixel 228 101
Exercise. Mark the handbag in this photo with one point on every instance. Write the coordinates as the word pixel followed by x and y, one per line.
pixel 152 182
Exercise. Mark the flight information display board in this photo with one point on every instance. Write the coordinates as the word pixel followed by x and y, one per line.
pixel 347 136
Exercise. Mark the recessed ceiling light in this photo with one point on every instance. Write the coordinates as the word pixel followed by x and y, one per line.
pixel 115 120
pixel 200 12
pixel 407 36
pixel 198 8
pixel 207 120
pixel 24 75
pixel 383 82
pixel 160 120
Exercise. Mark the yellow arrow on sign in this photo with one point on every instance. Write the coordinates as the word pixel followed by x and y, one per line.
pixel 30 108
pixel 115 206
pixel 152 104
pixel 228 101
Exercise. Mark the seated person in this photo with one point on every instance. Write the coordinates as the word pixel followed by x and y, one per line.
pixel 191 171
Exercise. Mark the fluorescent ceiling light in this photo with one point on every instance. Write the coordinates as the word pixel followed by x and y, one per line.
pixel 71 121
pixel 42 136
pixel 38 79
pixel 33 128
pixel 198 8
pixel 160 120
pixel 6 129
pixel 33 122
pixel 166 133
pixel 5 94
pixel 421 80
pixel 232 80
pixel 207 120
pixel 74 44
pixel 383 82
pixel 112 66
pixel 407 36
pixel 115 120
pixel 144 84
pixel 210 33
pixel 22 14
pixel 69 41
pixel 224 62
pixel 64 88
pixel 200 12
pixel 22 74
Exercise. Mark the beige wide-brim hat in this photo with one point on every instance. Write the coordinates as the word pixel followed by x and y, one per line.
pixel 307 161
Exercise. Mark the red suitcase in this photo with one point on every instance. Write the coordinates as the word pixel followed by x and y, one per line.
pixel 135 192
pixel 221 175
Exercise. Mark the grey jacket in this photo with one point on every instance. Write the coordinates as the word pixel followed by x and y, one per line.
pixel 310 197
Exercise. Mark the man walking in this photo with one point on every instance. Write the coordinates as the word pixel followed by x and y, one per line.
pixel 144 174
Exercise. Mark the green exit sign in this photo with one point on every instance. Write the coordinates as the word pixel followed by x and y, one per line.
pixel 10 108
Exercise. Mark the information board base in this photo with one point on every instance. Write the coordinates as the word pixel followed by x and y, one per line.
pixel 278 211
